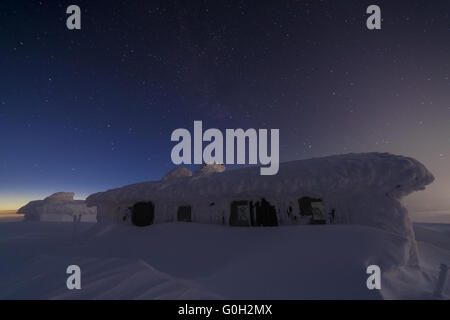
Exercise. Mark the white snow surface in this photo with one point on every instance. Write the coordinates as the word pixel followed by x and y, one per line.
pixel 195 261
pixel 58 207
pixel 353 173
pixel 207 169
pixel 179 172
pixel 62 196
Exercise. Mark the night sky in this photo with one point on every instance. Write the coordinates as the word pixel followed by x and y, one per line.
pixel 93 109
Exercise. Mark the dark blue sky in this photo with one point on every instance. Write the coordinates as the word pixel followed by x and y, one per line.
pixel 94 109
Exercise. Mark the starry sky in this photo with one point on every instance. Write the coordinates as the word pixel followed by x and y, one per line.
pixel 93 109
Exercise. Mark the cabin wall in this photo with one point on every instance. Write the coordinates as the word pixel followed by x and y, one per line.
pixel 206 212
pixel 109 212
pixel 374 209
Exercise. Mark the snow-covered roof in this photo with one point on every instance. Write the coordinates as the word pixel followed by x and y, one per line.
pixel 384 172
pixel 62 196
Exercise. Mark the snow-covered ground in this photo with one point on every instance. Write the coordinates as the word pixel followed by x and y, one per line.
pixel 193 261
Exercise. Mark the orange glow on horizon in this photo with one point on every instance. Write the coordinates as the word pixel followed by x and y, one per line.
pixel 15 201
pixel 10 202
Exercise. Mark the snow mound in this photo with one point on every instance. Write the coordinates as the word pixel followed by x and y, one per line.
pixel 179 172
pixel 58 207
pixel 207 169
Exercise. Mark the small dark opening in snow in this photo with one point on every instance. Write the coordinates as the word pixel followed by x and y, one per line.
pixel 266 214
pixel 184 214
pixel 143 214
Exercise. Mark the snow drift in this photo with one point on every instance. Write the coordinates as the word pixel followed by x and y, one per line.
pixel 193 261
pixel 58 207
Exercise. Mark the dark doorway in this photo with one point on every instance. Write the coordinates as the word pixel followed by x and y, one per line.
pixel 266 214
pixel 240 215
pixel 246 213
pixel 143 214
pixel 184 214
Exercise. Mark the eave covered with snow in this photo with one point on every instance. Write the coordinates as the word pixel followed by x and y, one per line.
pixel 351 173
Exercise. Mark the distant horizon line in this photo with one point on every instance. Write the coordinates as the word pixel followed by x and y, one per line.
pixel 10 211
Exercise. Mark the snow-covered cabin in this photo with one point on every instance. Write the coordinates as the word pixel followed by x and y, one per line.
pixel 363 189
pixel 59 206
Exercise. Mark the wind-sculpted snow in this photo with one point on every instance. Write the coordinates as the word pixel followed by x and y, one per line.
pixel 363 189
pixel 208 169
pixel 193 261
pixel 176 173
pixel 57 207
pixel 62 196
pixel 374 172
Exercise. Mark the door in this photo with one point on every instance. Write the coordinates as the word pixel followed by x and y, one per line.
pixel 266 215
pixel 184 214
pixel 143 214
